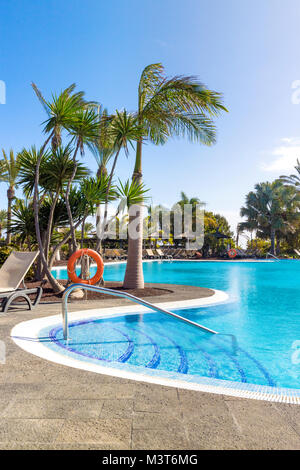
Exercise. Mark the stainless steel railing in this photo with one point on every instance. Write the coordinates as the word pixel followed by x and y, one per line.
pixel 137 300
pixel 270 254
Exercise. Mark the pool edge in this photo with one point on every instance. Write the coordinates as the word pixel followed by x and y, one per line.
pixel 25 335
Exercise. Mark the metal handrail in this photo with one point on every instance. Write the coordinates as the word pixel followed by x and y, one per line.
pixel 270 254
pixel 135 299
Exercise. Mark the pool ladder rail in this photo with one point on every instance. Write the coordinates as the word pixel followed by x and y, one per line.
pixel 273 256
pixel 137 300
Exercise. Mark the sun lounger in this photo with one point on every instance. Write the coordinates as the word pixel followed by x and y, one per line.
pixel 120 255
pixel 150 254
pixel 110 254
pixel 12 274
pixel 163 254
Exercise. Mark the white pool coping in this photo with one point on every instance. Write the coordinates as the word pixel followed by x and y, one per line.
pixel 111 263
pixel 26 336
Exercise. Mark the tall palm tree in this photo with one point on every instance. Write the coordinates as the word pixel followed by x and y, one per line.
pixel 3 221
pixel 193 201
pixel 102 148
pixel 186 200
pixel 177 106
pixel 9 170
pixel 121 131
pixel 62 111
pixel 293 180
pixel 58 127
pixel 272 209
pixel 83 129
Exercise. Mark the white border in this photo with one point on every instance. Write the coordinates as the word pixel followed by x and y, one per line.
pixel 111 263
pixel 25 335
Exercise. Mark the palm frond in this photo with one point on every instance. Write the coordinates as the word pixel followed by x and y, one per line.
pixel 131 193
pixel 179 106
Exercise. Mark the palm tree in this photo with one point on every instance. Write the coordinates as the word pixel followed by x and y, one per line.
pixel 272 209
pixel 9 169
pixel 68 92
pixel 185 200
pixel 121 130
pixel 84 200
pixel 55 171
pixel 62 111
pixel 3 221
pixel 177 106
pixel 102 148
pixel 293 180
pixel 83 129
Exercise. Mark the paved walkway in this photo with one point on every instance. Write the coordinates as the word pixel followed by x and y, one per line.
pixel 49 406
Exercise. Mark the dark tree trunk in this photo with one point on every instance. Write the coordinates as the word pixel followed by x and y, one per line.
pixel 72 229
pixel 10 198
pixel 273 236
pixel 56 286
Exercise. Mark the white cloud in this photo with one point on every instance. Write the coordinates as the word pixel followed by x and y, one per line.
pixel 284 156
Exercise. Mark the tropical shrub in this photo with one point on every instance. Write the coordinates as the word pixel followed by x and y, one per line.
pixel 5 251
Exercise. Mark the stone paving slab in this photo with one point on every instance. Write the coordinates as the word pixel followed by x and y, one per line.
pixel 112 432
pixel 49 406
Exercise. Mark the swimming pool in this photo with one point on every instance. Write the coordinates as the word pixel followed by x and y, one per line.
pixel 262 311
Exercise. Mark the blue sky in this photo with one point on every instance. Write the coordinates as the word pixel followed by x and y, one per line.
pixel 249 50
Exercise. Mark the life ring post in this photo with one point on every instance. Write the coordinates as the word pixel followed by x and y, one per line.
pixel 72 264
pixel 232 253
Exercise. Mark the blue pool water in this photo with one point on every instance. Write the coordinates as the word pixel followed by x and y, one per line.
pixel 263 312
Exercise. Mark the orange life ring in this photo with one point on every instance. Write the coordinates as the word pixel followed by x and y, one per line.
pixel 72 261
pixel 232 253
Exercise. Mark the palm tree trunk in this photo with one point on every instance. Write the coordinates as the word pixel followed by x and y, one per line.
pixel 277 245
pixel 98 222
pixel 103 172
pixel 50 224
pixel 273 235
pixel 134 277
pixel 82 232
pixel 73 234
pixel 10 198
pixel 56 286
